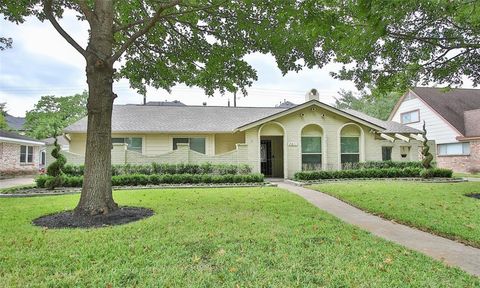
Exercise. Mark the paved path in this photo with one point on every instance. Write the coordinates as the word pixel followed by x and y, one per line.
pixel 7 183
pixel 448 251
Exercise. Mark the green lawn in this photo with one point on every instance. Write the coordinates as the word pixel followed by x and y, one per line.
pixel 234 237
pixel 436 207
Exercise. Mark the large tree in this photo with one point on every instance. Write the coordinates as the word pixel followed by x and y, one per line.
pixel 52 114
pixel 162 43
pixel 397 44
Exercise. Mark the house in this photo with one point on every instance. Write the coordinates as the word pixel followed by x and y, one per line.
pixel 452 119
pixel 275 141
pixel 19 154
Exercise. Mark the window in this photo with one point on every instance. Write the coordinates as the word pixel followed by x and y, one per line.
pixel 454 149
pixel 350 152
pixel 26 154
pixel 386 153
pixel 410 117
pixel 43 158
pixel 195 144
pixel 133 143
pixel 311 153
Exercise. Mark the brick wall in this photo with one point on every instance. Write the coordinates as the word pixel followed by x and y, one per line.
pixel 469 163
pixel 10 159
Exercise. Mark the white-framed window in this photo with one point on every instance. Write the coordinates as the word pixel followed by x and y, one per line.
pixel 195 144
pixel 454 149
pixel 410 117
pixel 133 143
pixel 26 154
pixel 350 150
pixel 311 153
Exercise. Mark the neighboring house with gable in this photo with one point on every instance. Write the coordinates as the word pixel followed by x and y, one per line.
pixel 275 141
pixel 452 119
pixel 19 154
pixel 15 123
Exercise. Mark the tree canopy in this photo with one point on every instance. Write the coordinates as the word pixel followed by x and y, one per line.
pixel 378 106
pixel 396 44
pixel 52 114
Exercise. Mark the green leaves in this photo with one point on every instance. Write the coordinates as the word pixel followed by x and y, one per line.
pixel 52 114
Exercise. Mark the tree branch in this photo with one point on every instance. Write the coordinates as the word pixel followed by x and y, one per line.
pixel 144 30
pixel 47 8
pixel 89 14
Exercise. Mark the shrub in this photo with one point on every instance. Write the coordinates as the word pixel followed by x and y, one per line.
pixel 411 172
pixel 156 179
pixel 162 168
pixel 436 172
pixel 385 164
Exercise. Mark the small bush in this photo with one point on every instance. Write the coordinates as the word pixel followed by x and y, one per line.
pixel 161 168
pixel 436 172
pixel 410 172
pixel 157 179
pixel 383 164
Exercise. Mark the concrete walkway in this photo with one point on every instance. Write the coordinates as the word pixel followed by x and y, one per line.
pixel 19 181
pixel 448 251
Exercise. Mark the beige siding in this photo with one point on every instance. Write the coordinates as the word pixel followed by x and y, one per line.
pixel 77 143
pixel 227 142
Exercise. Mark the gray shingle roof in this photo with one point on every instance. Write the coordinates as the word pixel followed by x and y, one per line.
pixel 452 104
pixel 389 126
pixel 139 118
pixel 16 136
pixel 203 119
pixel 15 123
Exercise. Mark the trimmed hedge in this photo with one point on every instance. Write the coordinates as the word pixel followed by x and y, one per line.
pixel 157 179
pixel 157 168
pixel 383 164
pixel 409 172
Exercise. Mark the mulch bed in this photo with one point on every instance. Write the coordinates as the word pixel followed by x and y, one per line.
pixel 67 219
pixel 473 195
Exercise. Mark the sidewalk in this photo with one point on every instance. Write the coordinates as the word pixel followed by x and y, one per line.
pixel 448 251
pixel 19 181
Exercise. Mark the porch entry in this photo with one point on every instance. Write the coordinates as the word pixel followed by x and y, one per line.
pixel 271 156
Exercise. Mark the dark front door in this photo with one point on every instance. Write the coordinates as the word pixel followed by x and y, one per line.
pixel 266 157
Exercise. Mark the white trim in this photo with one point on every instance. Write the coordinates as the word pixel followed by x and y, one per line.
pixel 324 145
pixel 302 106
pixel 386 137
pixel 361 143
pixel 20 141
pixel 285 146
pixel 401 137
pixel 418 137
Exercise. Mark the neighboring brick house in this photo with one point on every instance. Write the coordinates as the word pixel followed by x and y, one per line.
pixel 19 154
pixel 452 119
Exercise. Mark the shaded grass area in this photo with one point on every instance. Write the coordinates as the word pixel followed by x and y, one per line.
pixel 440 208
pixel 250 237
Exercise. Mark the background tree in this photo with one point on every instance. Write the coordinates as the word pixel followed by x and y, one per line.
pixel 3 113
pixel 52 114
pixel 397 44
pixel 378 106
pixel 162 43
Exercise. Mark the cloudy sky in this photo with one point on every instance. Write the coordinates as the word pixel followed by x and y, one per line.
pixel 41 62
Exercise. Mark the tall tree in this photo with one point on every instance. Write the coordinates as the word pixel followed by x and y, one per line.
pixel 378 106
pixel 162 43
pixel 397 44
pixel 52 114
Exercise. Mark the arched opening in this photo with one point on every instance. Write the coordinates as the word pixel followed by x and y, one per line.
pixel 350 139
pixel 311 148
pixel 272 150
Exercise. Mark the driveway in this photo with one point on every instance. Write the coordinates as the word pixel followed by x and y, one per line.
pixel 19 181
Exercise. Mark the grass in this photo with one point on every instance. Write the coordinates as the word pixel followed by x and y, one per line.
pixel 439 208
pixel 234 237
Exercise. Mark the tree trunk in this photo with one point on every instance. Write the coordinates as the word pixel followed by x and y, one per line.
pixel 96 197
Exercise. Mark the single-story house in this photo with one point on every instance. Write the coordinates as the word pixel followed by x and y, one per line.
pixel 275 141
pixel 452 121
pixel 19 154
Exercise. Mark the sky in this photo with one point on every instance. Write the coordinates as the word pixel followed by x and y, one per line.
pixel 41 62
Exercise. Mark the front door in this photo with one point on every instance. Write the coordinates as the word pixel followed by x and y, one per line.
pixel 266 157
